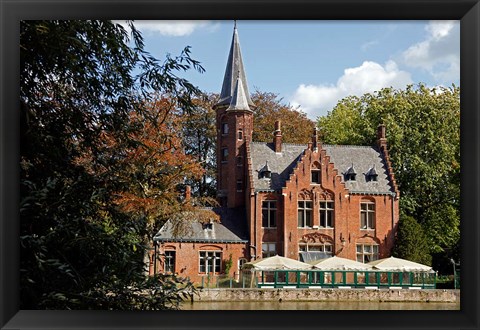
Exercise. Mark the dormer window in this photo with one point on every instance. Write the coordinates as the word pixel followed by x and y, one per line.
pixel 208 226
pixel 265 172
pixel 372 174
pixel 350 174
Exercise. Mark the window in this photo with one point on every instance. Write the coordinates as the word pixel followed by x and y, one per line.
pixel 240 134
pixel 316 176
pixel 239 185
pixel 210 261
pixel 367 252
pixel 269 213
pixel 169 261
pixel 367 215
pixel 314 251
pixel 224 128
pixel 269 250
pixel 224 154
pixel 326 214
pixel 304 214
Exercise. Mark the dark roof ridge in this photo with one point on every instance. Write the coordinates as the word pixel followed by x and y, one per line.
pixel 347 146
pixel 324 144
pixel 288 144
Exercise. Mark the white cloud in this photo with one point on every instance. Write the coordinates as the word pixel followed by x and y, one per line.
pixel 316 100
pixel 172 28
pixel 439 53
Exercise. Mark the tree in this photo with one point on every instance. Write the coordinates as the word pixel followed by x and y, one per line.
pixel 79 99
pixel 423 132
pixel 411 242
pixel 199 140
pixel 296 127
pixel 199 132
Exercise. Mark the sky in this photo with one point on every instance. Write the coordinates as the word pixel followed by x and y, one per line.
pixel 314 64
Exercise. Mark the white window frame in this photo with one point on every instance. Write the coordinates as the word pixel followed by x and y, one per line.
pixel 169 262
pixel 367 252
pixel 369 214
pixel 329 213
pixel 209 262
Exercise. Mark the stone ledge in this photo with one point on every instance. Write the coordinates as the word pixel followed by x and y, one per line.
pixel 311 294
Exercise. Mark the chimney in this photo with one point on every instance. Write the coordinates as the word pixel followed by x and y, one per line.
pixel 381 136
pixel 315 139
pixel 188 193
pixel 277 137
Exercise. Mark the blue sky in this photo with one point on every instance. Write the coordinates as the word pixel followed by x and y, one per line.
pixel 313 64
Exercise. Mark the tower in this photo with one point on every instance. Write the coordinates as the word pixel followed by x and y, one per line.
pixel 234 121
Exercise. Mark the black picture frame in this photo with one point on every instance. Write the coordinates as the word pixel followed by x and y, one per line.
pixel 12 12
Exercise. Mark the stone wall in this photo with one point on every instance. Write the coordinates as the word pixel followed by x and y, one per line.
pixel 381 295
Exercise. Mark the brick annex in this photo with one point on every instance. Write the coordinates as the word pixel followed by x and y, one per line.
pixel 304 202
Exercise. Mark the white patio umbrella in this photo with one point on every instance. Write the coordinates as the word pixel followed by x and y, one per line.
pixel 397 264
pixel 338 263
pixel 277 263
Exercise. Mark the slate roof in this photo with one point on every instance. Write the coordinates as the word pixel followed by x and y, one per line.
pixel 239 99
pixel 231 229
pixel 282 164
pixel 234 70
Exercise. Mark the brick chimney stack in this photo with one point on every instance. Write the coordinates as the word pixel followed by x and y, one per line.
pixel 315 139
pixel 277 137
pixel 381 136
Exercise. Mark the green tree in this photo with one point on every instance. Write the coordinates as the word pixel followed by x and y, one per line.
pixel 411 242
pixel 423 132
pixel 199 140
pixel 80 248
pixel 296 127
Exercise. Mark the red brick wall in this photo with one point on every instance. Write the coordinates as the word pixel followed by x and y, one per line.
pixel 187 257
pixel 229 171
pixel 346 213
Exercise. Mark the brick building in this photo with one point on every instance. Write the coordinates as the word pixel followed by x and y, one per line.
pixel 304 202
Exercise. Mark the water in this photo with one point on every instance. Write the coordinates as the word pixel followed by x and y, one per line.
pixel 318 305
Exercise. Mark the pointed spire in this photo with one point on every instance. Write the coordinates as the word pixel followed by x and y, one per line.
pixel 235 80
pixel 239 99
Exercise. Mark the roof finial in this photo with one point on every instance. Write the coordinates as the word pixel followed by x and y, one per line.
pixel 235 24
